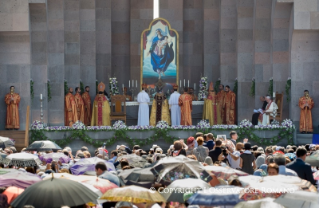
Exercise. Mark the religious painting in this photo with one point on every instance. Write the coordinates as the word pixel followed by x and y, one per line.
pixel 159 56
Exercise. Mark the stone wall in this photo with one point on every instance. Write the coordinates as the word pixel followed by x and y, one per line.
pixel 89 40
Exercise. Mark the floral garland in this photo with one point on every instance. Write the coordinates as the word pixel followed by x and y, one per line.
pixel 252 88
pixel 66 87
pixel 81 87
pixel 271 87
pixel 31 89
pixel 78 126
pixel 288 86
pixel 49 90
pixel 203 125
pixel 114 90
pixel 162 125
pixel 202 88
pixel 217 85
pixel 235 89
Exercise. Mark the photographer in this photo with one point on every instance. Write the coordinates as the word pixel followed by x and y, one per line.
pixel 234 155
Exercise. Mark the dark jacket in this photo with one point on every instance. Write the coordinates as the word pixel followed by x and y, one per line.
pixel 215 153
pixel 209 144
pixel 302 169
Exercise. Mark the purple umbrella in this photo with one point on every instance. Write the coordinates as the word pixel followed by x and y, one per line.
pixel 88 164
pixel 17 178
pixel 48 158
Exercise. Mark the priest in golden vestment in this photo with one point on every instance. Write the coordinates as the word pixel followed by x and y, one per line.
pixel 79 104
pixel 306 104
pixel 229 106
pixel 185 102
pixel 87 106
pixel 101 108
pixel 160 109
pixel 12 100
pixel 212 110
pixel 220 100
pixel 70 115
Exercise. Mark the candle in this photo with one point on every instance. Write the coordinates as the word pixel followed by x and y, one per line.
pixel 136 83
pixel 40 96
pixel 133 83
pixel 184 82
pixel 188 84
pixel 194 86
pixel 274 94
pixel 123 86
pixel 129 84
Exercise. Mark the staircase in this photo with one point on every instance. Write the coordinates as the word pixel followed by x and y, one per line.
pixel 18 136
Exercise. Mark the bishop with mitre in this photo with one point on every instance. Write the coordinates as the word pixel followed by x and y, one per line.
pixel 212 111
pixel 12 100
pixel 305 104
pixel 101 108
pixel 160 109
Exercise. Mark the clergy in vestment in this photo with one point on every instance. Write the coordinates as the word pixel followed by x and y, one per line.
pixel 101 108
pixel 220 101
pixel 191 92
pixel 211 109
pixel 306 104
pixel 229 106
pixel 70 115
pixel 79 104
pixel 271 109
pixel 143 110
pixel 174 107
pixel 185 102
pixel 12 101
pixel 87 106
pixel 160 109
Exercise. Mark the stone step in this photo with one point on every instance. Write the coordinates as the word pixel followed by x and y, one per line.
pixel 304 139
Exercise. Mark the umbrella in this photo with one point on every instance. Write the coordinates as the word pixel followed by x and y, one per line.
pixel 133 160
pixel 6 142
pixel 313 159
pixel 56 192
pixel 180 167
pixel 88 164
pixel 58 156
pixel 299 199
pixel 261 203
pixel 17 178
pixel 175 191
pixel 43 146
pixel 12 192
pixel 137 175
pixel 303 184
pixel 224 172
pixel 92 188
pixel 217 196
pixel 102 184
pixel 133 194
pixel 21 160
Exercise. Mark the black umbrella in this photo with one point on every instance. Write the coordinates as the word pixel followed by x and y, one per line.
pixel 55 193
pixel 137 176
pixel 43 146
pixel 170 169
pixel 6 142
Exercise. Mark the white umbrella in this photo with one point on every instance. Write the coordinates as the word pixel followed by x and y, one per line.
pixel 92 188
pixel 299 199
pixel 21 160
pixel 261 203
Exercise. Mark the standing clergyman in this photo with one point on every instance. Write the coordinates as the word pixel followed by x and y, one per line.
pixel 306 104
pixel 12 100
pixel 87 106
pixel 185 102
pixel 79 104
pixel 143 111
pixel 175 109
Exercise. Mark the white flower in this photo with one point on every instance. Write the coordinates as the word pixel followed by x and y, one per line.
pixel 78 125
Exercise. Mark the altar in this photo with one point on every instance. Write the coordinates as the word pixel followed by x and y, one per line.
pixel 132 112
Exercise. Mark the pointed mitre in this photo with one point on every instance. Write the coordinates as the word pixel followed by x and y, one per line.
pixel 101 87
pixel 211 86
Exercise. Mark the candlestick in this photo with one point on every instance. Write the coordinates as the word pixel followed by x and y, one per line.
pixel 40 96
pixel 194 86
pixel 188 83
pixel 133 83
pixel 184 82
pixel 274 94
pixel 129 84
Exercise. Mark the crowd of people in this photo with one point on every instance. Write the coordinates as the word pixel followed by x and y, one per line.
pixel 204 148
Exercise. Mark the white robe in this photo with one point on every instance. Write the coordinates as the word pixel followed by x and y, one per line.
pixel 175 109
pixel 266 117
pixel 143 111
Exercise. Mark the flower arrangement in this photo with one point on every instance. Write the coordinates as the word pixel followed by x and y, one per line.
pixel 57 128
pixel 78 126
pixel 224 127
pixel 252 88
pixel 217 85
pixel 235 89
pixel 162 125
pixel 202 88
pixel 114 90
pixel 119 125
pixel 180 127
pixel 203 124
pixel 98 128
pixel 140 128
pixel 271 86
pixel 81 87
pixel 288 86
pixel 287 123
pixel 37 125
pixel 245 124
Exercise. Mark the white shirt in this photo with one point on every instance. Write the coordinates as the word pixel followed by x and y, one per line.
pixel 234 163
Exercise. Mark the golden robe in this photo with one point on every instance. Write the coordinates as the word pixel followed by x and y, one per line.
pixel 12 121
pixel 212 110
pixel 87 108
pixel 305 114
pixel 79 107
pixel 70 114
pixel 220 100
pixel 230 107
pixel 185 102
pixel 160 110
pixel 101 111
